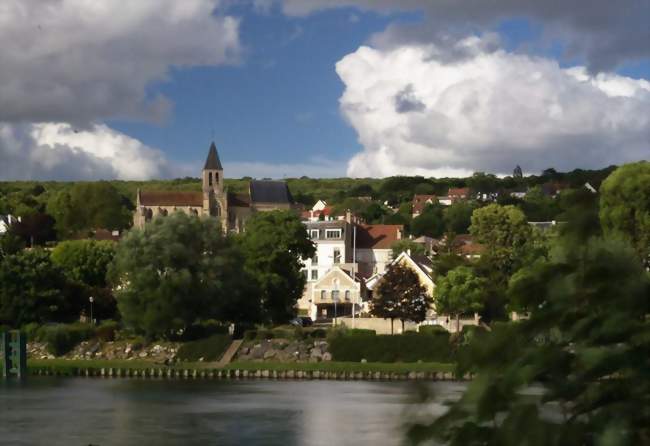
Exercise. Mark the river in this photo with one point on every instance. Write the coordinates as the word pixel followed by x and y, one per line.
pixel 81 411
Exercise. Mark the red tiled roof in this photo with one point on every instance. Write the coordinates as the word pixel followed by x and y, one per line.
pixel 458 192
pixel 420 201
pixel 378 236
pixel 163 198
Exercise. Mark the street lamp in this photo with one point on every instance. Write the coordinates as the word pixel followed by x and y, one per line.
pixel 91 300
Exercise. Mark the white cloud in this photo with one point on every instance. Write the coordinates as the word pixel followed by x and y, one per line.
pixel 417 111
pixel 57 151
pixel 79 61
pixel 604 32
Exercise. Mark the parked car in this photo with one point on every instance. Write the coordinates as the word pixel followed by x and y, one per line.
pixel 306 321
pixel 296 322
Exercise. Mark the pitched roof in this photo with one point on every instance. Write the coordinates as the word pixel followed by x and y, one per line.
pixel 378 236
pixel 458 192
pixel 270 192
pixel 420 201
pixel 166 198
pixel 238 200
pixel 212 162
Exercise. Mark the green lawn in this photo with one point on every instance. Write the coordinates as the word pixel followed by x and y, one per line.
pixel 69 366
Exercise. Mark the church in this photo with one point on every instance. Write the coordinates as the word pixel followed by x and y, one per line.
pixel 232 209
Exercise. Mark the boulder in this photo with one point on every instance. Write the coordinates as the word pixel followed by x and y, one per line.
pixel 327 356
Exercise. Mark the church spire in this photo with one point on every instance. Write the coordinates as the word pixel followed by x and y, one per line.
pixel 212 162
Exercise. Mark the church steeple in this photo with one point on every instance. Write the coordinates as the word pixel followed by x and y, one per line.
pixel 213 172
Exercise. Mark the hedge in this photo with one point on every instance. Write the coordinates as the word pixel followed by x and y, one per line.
pixel 210 349
pixel 61 338
pixel 407 347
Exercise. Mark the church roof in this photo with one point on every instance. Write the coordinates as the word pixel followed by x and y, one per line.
pixel 166 198
pixel 238 200
pixel 270 192
pixel 213 162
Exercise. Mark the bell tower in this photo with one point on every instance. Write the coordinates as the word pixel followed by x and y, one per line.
pixel 214 202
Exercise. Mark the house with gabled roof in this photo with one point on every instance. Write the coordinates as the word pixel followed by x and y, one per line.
pixel 420 202
pixel 214 200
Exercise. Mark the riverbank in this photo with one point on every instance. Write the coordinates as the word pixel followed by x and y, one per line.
pixel 245 370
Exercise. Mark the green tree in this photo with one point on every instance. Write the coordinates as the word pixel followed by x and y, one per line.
pixel 429 223
pixel 32 289
pixel 625 206
pixel 400 295
pixel 89 206
pixel 406 245
pixel 458 217
pixel 10 243
pixel 584 348
pixel 85 261
pixel 539 207
pixel 274 244
pixel 178 270
pixel 458 292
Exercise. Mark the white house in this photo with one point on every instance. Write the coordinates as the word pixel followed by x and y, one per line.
pixel 319 206
pixel 374 247
pixel 335 294
pixel 6 221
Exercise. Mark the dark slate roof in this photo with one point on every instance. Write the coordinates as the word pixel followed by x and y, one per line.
pixel 238 200
pixel 270 192
pixel 213 162
pixel 161 198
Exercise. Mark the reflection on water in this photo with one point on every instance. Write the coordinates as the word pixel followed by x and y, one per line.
pixel 78 411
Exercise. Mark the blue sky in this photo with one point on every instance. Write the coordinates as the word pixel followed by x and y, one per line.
pixel 279 104
pixel 365 88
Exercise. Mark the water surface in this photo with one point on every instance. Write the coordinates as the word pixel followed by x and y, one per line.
pixel 81 411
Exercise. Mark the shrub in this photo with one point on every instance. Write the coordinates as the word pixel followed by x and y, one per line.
pixel 249 335
pixel 408 347
pixel 61 338
pixel 30 331
pixel 284 332
pixel 318 333
pixel 430 329
pixel 210 349
pixel 201 330
pixel 106 331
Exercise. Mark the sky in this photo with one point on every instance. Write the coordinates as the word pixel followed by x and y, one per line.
pixel 323 88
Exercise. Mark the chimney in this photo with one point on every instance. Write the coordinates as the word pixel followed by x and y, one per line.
pixel 348 216
pixel 399 234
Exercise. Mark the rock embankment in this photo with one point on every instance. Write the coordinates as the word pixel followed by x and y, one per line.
pixel 284 350
pixel 123 350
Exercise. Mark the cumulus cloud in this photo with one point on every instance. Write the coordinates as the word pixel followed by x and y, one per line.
pixel 604 32
pixel 57 151
pixel 79 61
pixel 418 112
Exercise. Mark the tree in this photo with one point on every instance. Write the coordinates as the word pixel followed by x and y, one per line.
pixel 178 270
pixel 458 217
pixel 625 206
pixel 517 173
pixel 400 295
pixel 584 347
pixel 10 244
pixel 85 261
pixel 274 244
pixel 35 229
pixel 406 245
pixel 32 289
pixel 429 223
pixel 539 207
pixel 89 206
pixel 458 292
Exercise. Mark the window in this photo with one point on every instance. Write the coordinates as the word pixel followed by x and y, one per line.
pixel 314 274
pixel 332 233
pixel 314 260
pixel 337 255
pixel 313 233
pixel 347 294
pixel 322 295
pixel 209 178
pixel 216 177
pixel 335 294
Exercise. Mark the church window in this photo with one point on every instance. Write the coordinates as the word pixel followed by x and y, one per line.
pixel 216 177
pixel 209 178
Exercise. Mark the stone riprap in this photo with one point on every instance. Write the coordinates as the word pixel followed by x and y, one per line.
pixel 118 350
pixel 284 350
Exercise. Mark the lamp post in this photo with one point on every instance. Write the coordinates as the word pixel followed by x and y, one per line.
pixel 91 300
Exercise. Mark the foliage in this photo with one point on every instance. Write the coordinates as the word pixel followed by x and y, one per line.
pixel 584 349
pixel 89 206
pixel 460 291
pixel 458 217
pixel 61 338
pixel 430 222
pixel 10 243
pixel 500 228
pixel 400 295
pixel 406 245
pixel 274 244
pixel 85 261
pixel 32 289
pixel 177 270
pixel 35 229
pixel 208 349
pixel 625 206
pixel 407 347
pixel 106 330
